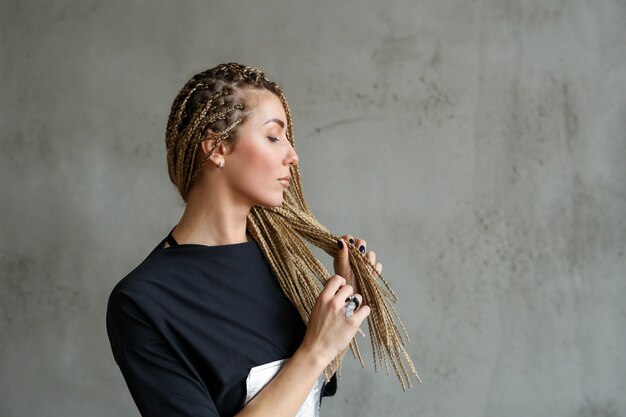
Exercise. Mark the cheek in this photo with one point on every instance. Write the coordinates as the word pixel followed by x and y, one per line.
pixel 260 162
pixel 256 167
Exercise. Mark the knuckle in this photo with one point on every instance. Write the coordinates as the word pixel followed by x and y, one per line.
pixel 337 303
pixel 321 298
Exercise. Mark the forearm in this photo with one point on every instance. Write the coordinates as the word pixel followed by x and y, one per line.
pixel 285 393
pixel 328 334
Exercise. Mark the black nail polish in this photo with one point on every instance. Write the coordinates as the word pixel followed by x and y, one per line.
pixel 362 249
pixel 340 244
pixel 351 241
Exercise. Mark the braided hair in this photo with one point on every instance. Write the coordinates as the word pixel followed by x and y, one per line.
pixel 211 105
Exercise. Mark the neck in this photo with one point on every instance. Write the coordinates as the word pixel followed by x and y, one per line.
pixel 212 218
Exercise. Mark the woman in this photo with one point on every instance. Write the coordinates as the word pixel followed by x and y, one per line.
pixel 225 316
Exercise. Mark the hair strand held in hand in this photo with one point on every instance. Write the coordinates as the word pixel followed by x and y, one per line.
pixel 212 104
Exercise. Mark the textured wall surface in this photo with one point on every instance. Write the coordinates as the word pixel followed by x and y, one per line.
pixel 478 146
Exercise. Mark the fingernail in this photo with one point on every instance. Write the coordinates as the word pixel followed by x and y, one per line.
pixel 351 241
pixel 340 244
pixel 362 249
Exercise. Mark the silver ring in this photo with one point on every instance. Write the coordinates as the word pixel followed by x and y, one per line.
pixel 352 303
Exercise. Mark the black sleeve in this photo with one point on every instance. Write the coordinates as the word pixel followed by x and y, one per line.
pixel 330 388
pixel 159 382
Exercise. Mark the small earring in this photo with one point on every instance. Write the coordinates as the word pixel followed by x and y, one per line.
pixel 221 164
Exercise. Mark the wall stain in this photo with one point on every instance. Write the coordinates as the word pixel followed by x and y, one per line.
pixel 599 409
pixel 570 118
pixel 35 287
pixel 329 126
pixel 396 49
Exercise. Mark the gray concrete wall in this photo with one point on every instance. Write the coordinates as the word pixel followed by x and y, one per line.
pixel 478 146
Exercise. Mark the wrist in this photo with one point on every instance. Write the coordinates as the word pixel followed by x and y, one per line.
pixel 311 358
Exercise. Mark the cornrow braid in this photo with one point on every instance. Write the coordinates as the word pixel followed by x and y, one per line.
pixel 212 105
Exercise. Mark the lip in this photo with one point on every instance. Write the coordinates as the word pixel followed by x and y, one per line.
pixel 284 181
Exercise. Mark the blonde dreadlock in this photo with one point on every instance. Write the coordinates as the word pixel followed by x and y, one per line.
pixel 211 105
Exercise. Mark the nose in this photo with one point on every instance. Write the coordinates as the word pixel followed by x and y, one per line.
pixel 292 157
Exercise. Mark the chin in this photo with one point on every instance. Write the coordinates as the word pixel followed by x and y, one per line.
pixel 274 202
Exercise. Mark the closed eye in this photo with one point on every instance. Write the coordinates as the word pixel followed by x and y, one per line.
pixel 273 139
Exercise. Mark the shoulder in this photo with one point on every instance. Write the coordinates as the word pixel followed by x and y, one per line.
pixel 133 311
pixel 140 283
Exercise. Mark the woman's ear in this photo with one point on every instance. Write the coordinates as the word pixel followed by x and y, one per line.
pixel 218 153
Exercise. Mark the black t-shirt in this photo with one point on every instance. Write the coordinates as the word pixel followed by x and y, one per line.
pixel 188 324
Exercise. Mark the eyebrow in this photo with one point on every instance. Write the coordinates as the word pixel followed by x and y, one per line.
pixel 280 122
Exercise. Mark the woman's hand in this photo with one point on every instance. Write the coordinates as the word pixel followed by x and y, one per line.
pixel 329 331
pixel 341 262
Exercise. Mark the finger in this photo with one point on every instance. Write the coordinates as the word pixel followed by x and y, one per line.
pixel 332 285
pixel 371 256
pixel 359 298
pixel 343 293
pixel 342 262
pixel 361 314
pixel 349 238
pixel 379 267
pixel 361 245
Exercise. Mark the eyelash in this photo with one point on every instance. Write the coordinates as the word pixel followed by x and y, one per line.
pixel 273 139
